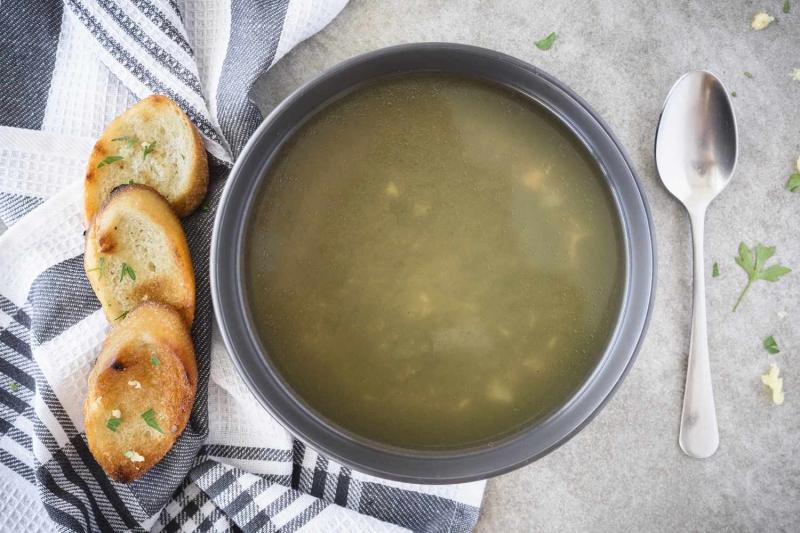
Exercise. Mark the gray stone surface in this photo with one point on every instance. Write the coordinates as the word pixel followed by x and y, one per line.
pixel 625 471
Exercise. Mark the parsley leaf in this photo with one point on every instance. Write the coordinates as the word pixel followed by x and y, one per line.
pixel 149 148
pixel 149 416
pixel 748 74
pixel 733 94
pixel 110 159
pixel 113 423
pixel 715 271
pixel 126 269
pixel 101 268
pixel 131 142
pixel 123 315
pixel 131 182
pixel 546 43
pixel 120 139
pixel 794 182
pixel 183 157
pixel 14 387
pixel 754 269
pixel 771 345
pixel 205 208
pixel 786 6
pixel 154 359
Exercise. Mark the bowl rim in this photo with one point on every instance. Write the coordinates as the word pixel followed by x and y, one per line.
pixel 448 466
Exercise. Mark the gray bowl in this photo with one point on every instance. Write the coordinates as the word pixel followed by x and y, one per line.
pixel 261 375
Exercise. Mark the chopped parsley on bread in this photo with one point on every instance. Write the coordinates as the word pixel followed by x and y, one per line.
pixel 136 251
pixel 152 143
pixel 141 391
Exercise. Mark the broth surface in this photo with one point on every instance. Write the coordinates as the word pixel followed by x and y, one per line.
pixel 434 262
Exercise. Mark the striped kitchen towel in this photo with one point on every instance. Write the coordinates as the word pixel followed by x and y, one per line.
pixel 68 69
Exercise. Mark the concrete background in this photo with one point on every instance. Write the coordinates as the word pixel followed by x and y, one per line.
pixel 625 471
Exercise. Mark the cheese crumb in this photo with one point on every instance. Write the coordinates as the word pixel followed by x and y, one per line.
pixel 795 74
pixel 533 180
pixel 421 210
pixel 115 413
pixel 761 21
pixel 499 392
pixel 782 314
pixel 798 164
pixel 533 363
pixel 771 380
pixel 135 384
pixel 134 457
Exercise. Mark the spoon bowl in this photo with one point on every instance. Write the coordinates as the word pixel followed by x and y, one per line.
pixel 697 144
pixel 697 139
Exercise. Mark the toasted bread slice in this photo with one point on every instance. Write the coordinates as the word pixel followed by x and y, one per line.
pixel 146 371
pixel 176 165
pixel 136 251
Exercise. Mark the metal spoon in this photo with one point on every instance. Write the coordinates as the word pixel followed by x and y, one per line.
pixel 696 150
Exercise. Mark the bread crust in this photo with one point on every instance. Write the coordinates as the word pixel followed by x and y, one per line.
pixel 136 227
pixel 188 159
pixel 146 364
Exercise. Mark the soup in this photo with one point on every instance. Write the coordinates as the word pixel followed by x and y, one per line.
pixel 434 262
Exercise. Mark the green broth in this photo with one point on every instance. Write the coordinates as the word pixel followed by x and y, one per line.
pixel 434 262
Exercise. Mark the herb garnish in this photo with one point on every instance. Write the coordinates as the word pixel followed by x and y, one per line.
pixel 120 139
pixel 149 416
pixel 546 43
pixel 101 268
pixel 771 345
pixel 14 387
pixel 715 271
pixel 149 148
pixel 794 182
pixel 113 423
pixel 131 142
pixel 754 269
pixel 733 94
pixel 123 315
pixel 748 74
pixel 126 269
pixel 154 359
pixel 205 208
pixel 131 182
pixel 786 6
pixel 110 159
pixel 183 157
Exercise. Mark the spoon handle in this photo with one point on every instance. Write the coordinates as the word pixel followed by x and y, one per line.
pixel 699 435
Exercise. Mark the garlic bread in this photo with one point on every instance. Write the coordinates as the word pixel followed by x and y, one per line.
pixel 141 391
pixel 136 251
pixel 152 143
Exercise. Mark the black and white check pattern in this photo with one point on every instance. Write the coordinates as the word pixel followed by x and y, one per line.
pixel 68 69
